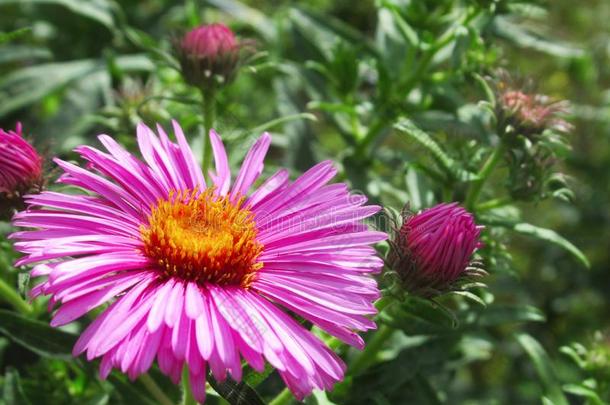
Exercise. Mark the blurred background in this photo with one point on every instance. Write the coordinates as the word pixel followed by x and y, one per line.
pixel 324 75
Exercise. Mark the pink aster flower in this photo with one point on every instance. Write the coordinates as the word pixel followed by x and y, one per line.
pixel 20 170
pixel 203 275
pixel 433 248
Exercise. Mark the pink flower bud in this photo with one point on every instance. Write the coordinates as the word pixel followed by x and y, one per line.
pixel 526 112
pixel 209 55
pixel 20 169
pixel 433 249
pixel 209 41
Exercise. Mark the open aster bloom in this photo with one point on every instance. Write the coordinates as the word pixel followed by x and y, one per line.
pixel 202 274
pixel 433 249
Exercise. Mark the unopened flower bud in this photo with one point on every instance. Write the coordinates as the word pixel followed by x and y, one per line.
pixel 433 249
pixel 525 112
pixel 20 170
pixel 209 55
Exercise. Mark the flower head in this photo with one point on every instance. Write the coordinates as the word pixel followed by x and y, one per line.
pixel 20 170
pixel 526 112
pixel 203 275
pixel 433 249
pixel 209 54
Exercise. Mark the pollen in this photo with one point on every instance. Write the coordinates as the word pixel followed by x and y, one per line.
pixel 201 237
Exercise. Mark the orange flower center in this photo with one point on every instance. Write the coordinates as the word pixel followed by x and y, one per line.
pixel 201 237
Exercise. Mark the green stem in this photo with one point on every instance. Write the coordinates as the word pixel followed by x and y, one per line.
pixel 187 394
pixel 154 390
pixel 9 295
pixel 209 111
pixel 367 357
pixel 283 398
pixel 494 203
pixel 379 338
pixel 483 175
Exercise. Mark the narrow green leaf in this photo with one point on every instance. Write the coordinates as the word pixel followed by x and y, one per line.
pixel 99 10
pixel 37 336
pixel 582 391
pixel 503 314
pixel 12 35
pixel 29 85
pixel 507 29
pixel 544 234
pixel 13 393
pixel 471 296
pixel 248 15
pixel 128 392
pixel 333 25
pixel 449 165
pixel 544 368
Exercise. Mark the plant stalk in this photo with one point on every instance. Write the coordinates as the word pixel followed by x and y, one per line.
pixel 12 297
pixel 155 390
pixel 282 398
pixel 187 395
pixel 209 114
pixel 484 173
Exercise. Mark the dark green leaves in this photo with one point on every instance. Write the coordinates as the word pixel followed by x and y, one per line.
pixel 543 367
pixel 37 336
pixel 544 234
pixel 450 166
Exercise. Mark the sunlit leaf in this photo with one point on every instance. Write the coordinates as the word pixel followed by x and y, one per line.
pixel 544 368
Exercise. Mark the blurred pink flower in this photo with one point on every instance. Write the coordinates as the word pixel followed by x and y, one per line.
pixel 20 171
pixel 20 163
pixel 203 274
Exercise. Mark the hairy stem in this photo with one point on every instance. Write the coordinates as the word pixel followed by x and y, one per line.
pixel 488 167
pixel 283 398
pixel 12 297
pixel 187 395
pixel 155 390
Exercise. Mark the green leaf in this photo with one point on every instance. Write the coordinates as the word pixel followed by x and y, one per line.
pixel 97 10
pixel 13 393
pixel 29 85
pixel 505 28
pixel 248 15
pixel 582 391
pixel 128 392
pixel 418 316
pixel 503 314
pixel 254 378
pixel 236 393
pixel 471 296
pixel 544 368
pixel 20 53
pixel 323 31
pixel 449 165
pixel 37 336
pixel 319 398
pixel 544 234
pixel 12 35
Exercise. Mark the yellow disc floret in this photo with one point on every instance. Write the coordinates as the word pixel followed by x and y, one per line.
pixel 198 236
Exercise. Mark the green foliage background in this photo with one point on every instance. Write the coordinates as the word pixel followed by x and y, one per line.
pixel 328 74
